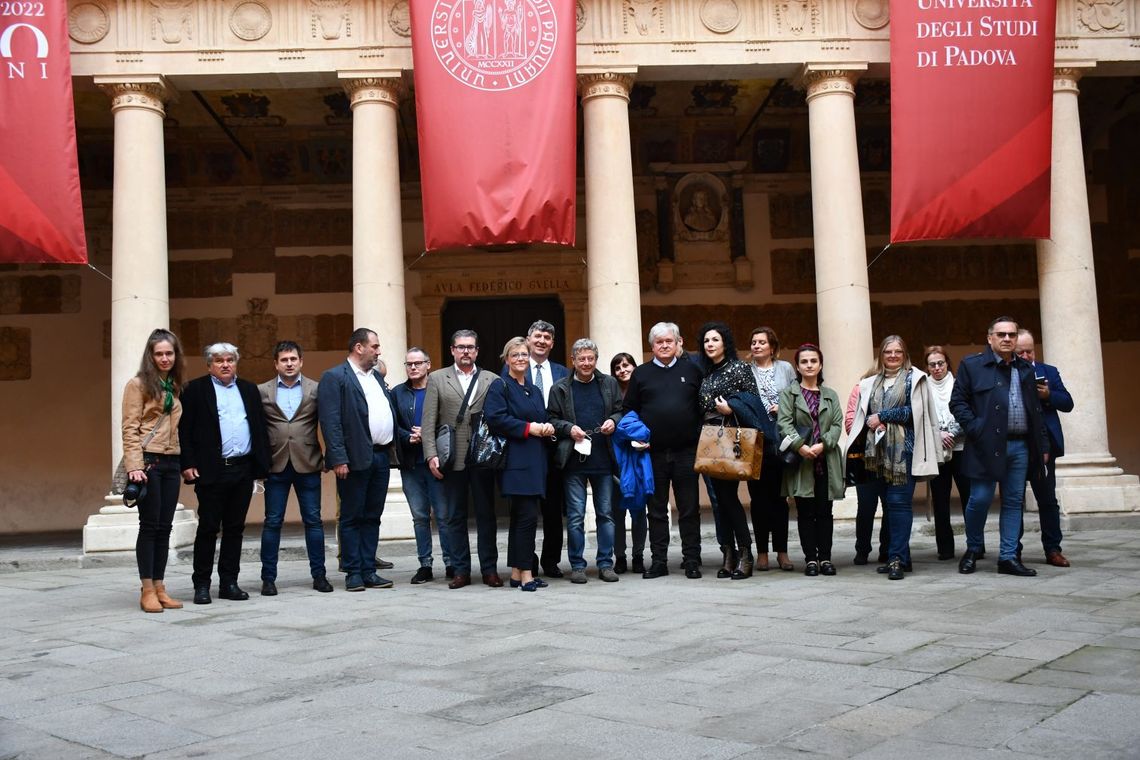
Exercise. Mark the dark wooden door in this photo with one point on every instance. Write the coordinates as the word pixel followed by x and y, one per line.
pixel 497 320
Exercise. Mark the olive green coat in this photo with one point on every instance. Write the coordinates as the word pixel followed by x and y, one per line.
pixel 800 481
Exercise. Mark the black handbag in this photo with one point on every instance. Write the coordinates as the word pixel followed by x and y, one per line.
pixel 446 436
pixel 791 457
pixel 487 450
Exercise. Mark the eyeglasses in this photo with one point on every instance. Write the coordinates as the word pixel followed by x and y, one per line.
pixel 936 364
pixel 465 349
pixel 1005 334
pixel 519 355
pixel 413 365
pixel 894 352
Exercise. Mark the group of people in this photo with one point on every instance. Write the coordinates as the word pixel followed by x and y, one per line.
pixel 629 437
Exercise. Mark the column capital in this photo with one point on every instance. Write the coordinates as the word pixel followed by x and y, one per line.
pixel 373 87
pixel 146 92
pixel 1066 74
pixel 822 79
pixel 614 82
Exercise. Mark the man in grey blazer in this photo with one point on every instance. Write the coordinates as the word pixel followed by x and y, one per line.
pixel 446 389
pixel 290 403
pixel 358 420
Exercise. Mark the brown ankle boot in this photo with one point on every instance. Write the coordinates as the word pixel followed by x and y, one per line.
pixel 167 602
pixel 149 600
pixel 729 553
pixel 744 569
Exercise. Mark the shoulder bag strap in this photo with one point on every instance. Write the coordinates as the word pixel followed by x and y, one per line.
pixel 154 430
pixel 467 397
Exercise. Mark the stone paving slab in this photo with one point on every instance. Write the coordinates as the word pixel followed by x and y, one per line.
pixel 777 666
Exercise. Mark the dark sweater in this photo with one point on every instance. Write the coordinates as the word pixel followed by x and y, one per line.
pixel 666 401
pixel 590 412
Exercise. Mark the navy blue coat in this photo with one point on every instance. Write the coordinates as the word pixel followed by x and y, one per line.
pixel 980 403
pixel 1060 400
pixel 344 419
pixel 509 409
pixel 404 398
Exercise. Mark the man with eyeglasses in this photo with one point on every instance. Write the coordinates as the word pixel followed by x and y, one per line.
pixel 995 401
pixel 1055 397
pixel 443 401
pixel 585 408
pixel 423 492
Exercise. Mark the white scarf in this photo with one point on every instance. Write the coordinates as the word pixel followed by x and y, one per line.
pixel 941 390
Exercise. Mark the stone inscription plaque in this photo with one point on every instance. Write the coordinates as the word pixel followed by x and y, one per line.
pixel 486 286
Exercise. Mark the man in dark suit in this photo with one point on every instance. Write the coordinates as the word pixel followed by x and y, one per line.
pixel 290 404
pixel 995 401
pixel 358 420
pixel 225 448
pixel 544 373
pixel 1054 398
pixel 443 401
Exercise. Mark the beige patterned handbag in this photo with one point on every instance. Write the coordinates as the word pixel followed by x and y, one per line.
pixel 730 453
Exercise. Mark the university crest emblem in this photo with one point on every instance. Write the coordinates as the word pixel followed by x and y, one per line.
pixel 494 45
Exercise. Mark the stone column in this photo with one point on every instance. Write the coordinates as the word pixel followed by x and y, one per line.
pixel 843 301
pixel 612 276
pixel 1088 479
pixel 139 292
pixel 378 241
pixel 377 234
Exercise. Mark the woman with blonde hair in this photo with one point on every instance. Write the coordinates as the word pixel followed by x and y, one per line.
pixel 896 426
pixel 151 410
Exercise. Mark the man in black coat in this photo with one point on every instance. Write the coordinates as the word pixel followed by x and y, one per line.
pixel 995 401
pixel 225 448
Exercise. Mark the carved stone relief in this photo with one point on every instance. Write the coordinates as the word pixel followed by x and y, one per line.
pixel 87 23
pixel 720 16
pixel 580 15
pixel 170 20
pixel 400 19
pixel 250 20
pixel 15 353
pixel 330 18
pixel 872 14
pixel 1101 15
pixel 645 16
pixel 700 208
pixel 797 17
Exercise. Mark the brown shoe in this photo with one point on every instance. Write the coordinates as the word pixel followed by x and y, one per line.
pixel 148 601
pixel 1056 559
pixel 459 581
pixel 493 580
pixel 167 602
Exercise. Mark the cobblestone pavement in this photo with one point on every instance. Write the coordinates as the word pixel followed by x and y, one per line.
pixel 939 665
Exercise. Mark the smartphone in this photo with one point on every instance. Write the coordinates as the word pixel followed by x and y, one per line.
pixel 1040 380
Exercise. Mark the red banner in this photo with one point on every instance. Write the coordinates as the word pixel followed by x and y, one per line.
pixel 971 118
pixel 497 118
pixel 41 211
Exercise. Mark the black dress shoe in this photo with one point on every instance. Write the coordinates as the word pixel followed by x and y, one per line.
pixel 423 575
pixel 268 588
pixel 202 595
pixel 1014 567
pixel 968 563
pixel 638 565
pixel 693 569
pixel 826 568
pixel 552 571
pixel 383 564
pixel 232 592
pixel 321 583
pixel 620 566
pixel 895 570
pixel 860 558
pixel 656 570
pixel 906 567
pixel 372 580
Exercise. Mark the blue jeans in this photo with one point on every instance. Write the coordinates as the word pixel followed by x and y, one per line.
pixel 603 485
pixel 308 488
pixel 362 496
pixel 425 496
pixel 898 510
pixel 1012 501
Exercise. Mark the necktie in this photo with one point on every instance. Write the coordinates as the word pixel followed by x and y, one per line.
pixel 538 379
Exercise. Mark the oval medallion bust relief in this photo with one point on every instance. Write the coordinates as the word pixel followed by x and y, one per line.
pixel 720 16
pixel 87 23
pixel 250 21
pixel 872 14
pixel 400 19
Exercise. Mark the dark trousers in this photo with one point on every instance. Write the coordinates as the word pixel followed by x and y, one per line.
pixel 1048 510
pixel 362 496
pixel 733 520
pixel 868 502
pixel 675 467
pixel 949 473
pixel 520 538
pixel 156 514
pixel 222 505
pixel 722 536
pixel 480 484
pixel 769 508
pixel 815 523
pixel 638 527
pixel 553 510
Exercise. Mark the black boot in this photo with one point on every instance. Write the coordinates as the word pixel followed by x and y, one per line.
pixel 730 560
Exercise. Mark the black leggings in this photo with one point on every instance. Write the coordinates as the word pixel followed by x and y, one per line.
pixel 815 523
pixel 769 508
pixel 156 514
pixel 733 520
pixel 520 538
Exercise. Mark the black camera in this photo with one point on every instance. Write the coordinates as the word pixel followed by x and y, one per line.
pixel 134 493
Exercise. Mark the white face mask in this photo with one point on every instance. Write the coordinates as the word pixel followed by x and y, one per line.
pixel 583 446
